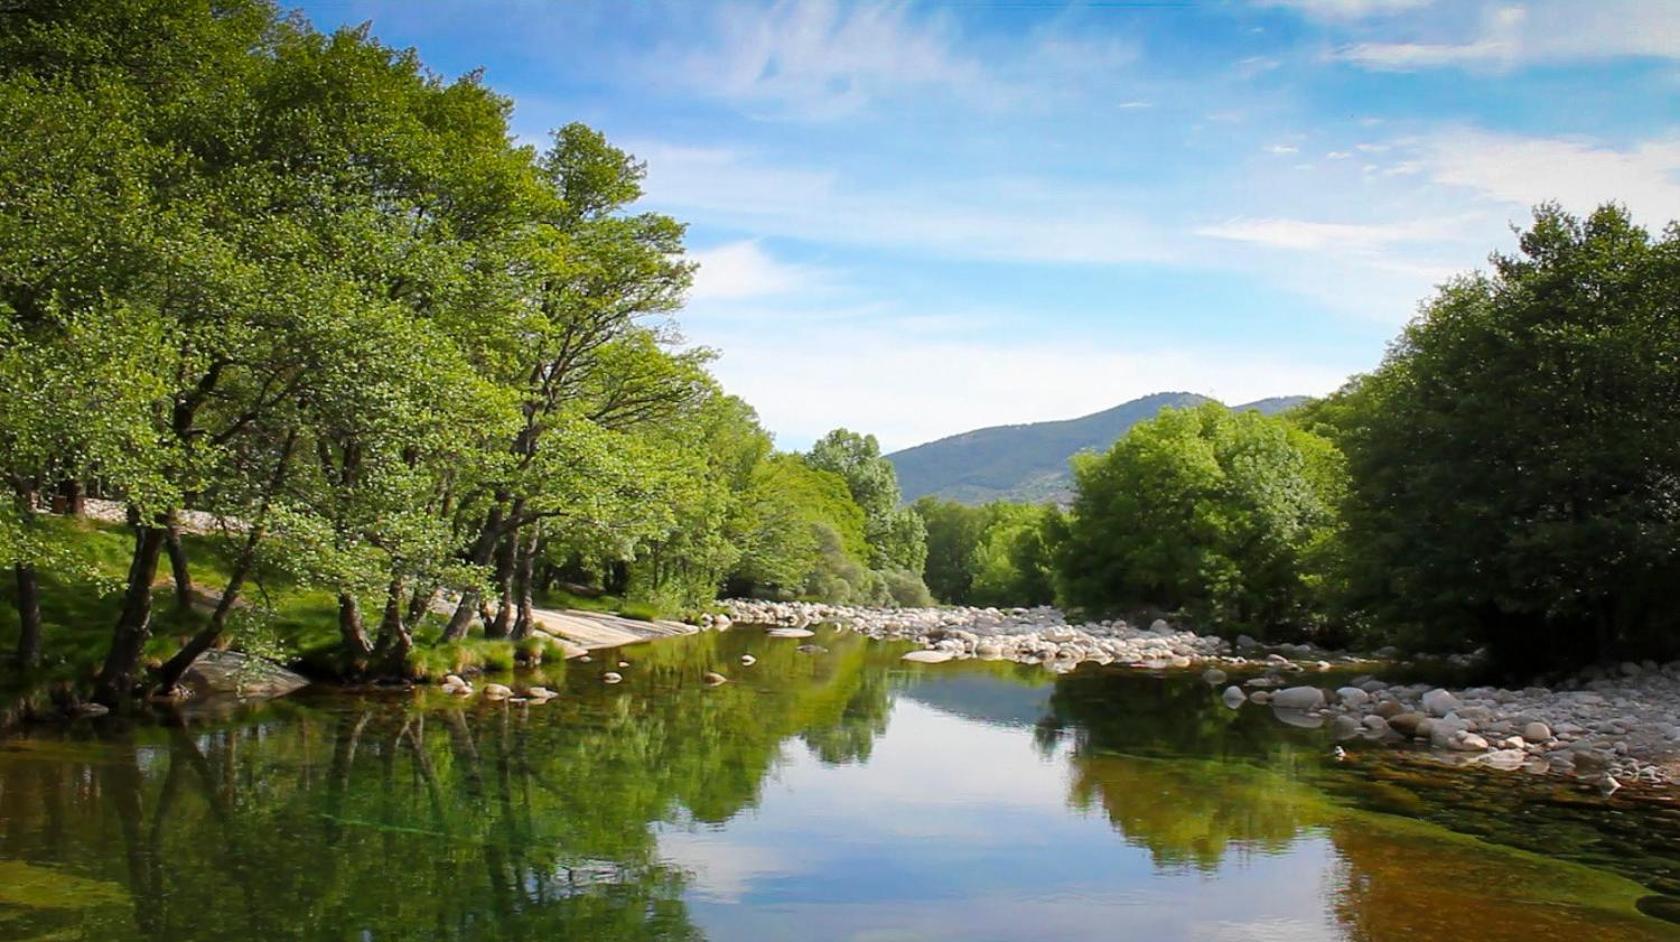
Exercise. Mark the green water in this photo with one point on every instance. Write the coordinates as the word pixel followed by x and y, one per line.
pixel 837 795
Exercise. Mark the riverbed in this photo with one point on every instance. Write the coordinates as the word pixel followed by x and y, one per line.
pixel 827 791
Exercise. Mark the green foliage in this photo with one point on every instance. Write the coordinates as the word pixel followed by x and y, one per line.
pixel 996 554
pixel 1029 463
pixel 1203 510
pixel 1516 459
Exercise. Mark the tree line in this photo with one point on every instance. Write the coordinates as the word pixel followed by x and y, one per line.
pixel 297 282
pixel 1508 477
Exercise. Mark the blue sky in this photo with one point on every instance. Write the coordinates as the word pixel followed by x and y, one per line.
pixel 919 218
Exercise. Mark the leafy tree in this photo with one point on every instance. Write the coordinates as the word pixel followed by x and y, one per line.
pixel 1515 462
pixel 897 538
pixel 1205 510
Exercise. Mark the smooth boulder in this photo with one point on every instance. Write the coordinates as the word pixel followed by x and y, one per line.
pixel 1298 698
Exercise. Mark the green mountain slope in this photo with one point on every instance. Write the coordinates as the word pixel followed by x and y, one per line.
pixel 1030 462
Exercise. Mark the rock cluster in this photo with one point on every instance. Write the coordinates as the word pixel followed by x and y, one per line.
pixel 1612 728
pixel 1029 635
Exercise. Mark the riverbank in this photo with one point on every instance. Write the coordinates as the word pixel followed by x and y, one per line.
pixel 1609 727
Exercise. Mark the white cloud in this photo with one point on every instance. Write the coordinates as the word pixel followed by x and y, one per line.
pixel 1008 219
pixel 1301 234
pixel 743 269
pixel 1542 32
pixel 1347 9
pixel 1283 150
pixel 1578 173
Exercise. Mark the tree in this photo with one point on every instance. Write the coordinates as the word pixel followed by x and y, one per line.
pixel 897 538
pixel 1204 510
pixel 1515 461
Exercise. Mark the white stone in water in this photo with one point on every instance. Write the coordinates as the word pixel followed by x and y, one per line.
pixel 1375 723
pixel 928 657
pixel 497 691
pixel 1537 732
pixel 1344 727
pixel 611 677
pixel 1213 677
pixel 748 660
pixel 1298 698
pixel 1233 697
pixel 790 633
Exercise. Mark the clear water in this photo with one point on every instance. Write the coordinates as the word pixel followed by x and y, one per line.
pixel 827 796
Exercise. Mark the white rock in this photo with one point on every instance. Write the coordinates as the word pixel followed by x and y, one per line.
pixel 1439 702
pixel 928 657
pixel 1298 698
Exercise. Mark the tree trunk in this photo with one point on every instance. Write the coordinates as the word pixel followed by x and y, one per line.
pixel 134 621
pixel 351 630
pixel 29 617
pixel 503 622
pixel 176 666
pixel 523 566
pixel 481 550
pixel 178 566
pixel 420 603
pixel 395 641
pixel 75 498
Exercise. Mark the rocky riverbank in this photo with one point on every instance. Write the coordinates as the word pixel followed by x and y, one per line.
pixel 1610 727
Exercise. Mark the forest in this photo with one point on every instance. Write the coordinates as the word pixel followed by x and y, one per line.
pixel 422 377
pixel 295 284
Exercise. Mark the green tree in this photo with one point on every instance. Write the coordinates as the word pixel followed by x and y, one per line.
pixel 1203 510
pixel 1515 462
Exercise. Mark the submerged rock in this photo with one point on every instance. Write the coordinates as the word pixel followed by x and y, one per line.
pixel 1233 697
pixel 713 678
pixel 928 657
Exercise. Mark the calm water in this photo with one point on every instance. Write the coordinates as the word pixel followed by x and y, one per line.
pixel 839 795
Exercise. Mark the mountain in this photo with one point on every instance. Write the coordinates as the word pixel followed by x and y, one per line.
pixel 1030 462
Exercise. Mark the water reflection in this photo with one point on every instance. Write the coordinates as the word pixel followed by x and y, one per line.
pixel 838 795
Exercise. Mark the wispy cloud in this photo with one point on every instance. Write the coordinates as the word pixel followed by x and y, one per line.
pixel 998 218
pixel 1346 9
pixel 823 58
pixel 1550 31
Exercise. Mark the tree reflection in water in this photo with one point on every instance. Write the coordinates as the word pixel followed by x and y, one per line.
pixel 416 816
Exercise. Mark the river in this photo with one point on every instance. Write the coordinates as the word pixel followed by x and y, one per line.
pixel 832 795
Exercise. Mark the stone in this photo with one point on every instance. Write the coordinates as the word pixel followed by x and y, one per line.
pixel 1233 697
pixel 1353 696
pixel 1298 698
pixel 1406 724
pixel 1375 723
pixel 713 678
pixel 540 694
pixel 928 657
pixel 1160 626
pixel 1388 709
pixel 88 711
pixel 241 675
pixel 747 660
pixel 1345 727
pixel 497 691
pixel 790 633
pixel 811 649
pixel 1261 697
pixel 1537 732
pixel 1439 702
pixel 611 677
pixel 453 680
pixel 1469 742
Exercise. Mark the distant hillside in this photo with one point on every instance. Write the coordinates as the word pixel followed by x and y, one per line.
pixel 1030 462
